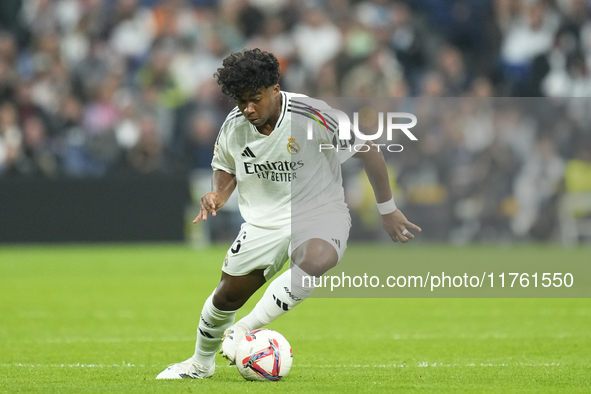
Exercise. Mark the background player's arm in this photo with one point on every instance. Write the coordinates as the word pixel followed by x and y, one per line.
pixel 377 173
pixel 223 184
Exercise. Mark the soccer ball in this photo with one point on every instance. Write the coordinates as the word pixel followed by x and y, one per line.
pixel 264 355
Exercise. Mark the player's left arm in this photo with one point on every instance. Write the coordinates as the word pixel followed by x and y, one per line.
pixel 375 166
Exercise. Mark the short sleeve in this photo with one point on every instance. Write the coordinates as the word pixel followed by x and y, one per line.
pixel 222 159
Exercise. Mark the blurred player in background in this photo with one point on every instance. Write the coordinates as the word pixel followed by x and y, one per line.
pixel 292 201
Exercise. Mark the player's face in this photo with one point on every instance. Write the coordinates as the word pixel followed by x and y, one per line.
pixel 261 107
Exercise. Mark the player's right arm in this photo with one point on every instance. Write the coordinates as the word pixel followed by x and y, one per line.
pixel 223 184
pixel 223 181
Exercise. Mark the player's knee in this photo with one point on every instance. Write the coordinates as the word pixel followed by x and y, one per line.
pixel 317 259
pixel 317 267
pixel 226 299
pixel 233 291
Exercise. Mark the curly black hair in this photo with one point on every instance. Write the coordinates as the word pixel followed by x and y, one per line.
pixel 247 71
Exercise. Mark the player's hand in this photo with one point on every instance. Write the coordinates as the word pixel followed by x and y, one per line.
pixel 395 223
pixel 210 203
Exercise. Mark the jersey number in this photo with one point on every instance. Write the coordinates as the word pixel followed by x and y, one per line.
pixel 238 243
pixel 236 247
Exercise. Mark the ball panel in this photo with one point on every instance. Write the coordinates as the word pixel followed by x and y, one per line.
pixel 264 355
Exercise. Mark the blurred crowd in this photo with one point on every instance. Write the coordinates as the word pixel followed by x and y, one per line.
pixel 89 87
pixel 486 169
pixel 95 87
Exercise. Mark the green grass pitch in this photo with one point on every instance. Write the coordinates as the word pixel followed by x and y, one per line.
pixel 94 319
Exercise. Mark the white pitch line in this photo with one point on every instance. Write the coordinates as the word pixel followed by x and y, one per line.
pixel 77 365
pixel 399 337
pixel 118 340
pixel 423 364
pixel 426 364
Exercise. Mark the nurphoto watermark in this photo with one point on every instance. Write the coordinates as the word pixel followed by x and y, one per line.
pixel 321 115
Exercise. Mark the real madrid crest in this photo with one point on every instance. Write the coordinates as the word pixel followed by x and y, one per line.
pixel 292 146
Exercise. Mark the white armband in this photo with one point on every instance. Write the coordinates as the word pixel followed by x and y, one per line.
pixel 387 207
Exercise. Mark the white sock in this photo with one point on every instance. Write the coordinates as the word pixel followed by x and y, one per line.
pixel 212 325
pixel 283 294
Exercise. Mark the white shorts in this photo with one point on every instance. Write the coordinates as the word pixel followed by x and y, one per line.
pixel 269 249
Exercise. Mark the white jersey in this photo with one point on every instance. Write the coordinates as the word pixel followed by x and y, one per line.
pixel 283 175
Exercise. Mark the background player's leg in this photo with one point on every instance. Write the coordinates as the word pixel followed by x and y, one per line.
pixel 219 311
pixel 313 258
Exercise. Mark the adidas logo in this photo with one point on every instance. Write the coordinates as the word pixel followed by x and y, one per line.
pixel 248 153
pixel 280 303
